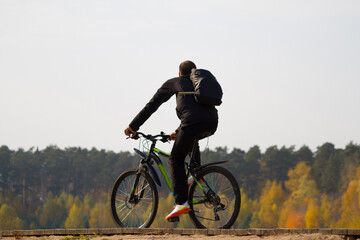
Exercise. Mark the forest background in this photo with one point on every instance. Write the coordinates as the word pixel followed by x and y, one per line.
pixel 281 187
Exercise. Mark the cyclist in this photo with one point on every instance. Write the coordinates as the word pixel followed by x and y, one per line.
pixel 197 121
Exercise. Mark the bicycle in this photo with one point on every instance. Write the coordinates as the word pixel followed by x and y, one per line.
pixel 214 195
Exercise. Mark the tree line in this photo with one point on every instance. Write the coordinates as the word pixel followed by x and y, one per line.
pixel 281 187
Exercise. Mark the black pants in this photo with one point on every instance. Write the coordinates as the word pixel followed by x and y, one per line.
pixel 183 145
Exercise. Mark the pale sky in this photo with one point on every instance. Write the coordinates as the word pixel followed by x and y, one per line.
pixel 76 72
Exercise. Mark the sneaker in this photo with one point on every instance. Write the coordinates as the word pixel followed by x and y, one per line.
pixel 178 210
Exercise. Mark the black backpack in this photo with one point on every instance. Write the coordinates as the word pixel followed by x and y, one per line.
pixel 207 90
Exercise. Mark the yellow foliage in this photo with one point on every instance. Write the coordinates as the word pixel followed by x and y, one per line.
pixel 350 217
pixel 100 216
pixel 248 207
pixel 9 219
pixel 312 215
pixel 67 200
pixel 75 218
pixel 270 201
pixel 326 211
pixel 301 186
pixel 302 189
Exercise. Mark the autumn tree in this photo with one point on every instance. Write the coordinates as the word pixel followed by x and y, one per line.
pixel 53 213
pixel 350 208
pixel 312 216
pixel 246 212
pixel 100 216
pixel 9 219
pixel 271 201
pixel 302 188
pixel 75 218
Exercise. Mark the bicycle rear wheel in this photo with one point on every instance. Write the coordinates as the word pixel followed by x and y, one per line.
pixel 216 204
pixel 140 211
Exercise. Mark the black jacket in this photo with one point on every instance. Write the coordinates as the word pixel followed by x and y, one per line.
pixel 188 110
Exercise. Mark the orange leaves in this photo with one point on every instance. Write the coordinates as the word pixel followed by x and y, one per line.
pixel 295 220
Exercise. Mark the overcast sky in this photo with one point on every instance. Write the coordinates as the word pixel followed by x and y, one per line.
pixel 76 72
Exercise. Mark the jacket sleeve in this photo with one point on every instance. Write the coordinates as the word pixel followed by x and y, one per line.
pixel 163 94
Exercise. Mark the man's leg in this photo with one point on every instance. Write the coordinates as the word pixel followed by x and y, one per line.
pixel 182 146
pixel 202 131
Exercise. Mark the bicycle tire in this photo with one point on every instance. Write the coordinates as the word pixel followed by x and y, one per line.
pixel 203 214
pixel 144 211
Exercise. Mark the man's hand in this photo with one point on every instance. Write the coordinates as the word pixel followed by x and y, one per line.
pixel 173 135
pixel 129 132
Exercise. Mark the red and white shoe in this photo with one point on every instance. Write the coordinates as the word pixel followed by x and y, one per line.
pixel 178 210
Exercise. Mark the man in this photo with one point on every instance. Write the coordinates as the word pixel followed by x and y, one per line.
pixel 197 121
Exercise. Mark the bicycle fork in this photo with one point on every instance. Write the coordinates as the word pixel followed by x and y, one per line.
pixel 136 197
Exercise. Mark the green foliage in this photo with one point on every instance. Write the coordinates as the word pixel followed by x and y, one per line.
pixel 53 213
pixel 276 163
pixel 326 167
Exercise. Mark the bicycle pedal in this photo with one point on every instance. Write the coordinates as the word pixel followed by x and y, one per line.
pixel 174 219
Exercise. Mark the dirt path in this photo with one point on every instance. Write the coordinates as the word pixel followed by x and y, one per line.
pixel 182 237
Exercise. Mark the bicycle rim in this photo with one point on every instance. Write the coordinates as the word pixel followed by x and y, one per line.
pixel 219 206
pixel 140 211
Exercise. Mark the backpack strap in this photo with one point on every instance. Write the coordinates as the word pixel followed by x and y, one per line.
pixel 186 93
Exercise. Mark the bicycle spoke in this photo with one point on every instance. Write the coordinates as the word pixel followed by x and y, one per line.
pixel 127 214
pixel 123 193
pixel 121 205
pixel 142 189
pixel 122 208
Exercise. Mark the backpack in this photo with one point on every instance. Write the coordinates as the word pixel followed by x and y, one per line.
pixel 207 90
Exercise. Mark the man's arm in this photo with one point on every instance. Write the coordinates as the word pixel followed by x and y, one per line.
pixel 163 94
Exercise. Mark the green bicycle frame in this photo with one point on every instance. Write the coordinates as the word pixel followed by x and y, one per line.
pixel 162 168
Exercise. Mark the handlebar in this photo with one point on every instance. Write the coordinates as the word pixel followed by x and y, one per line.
pixel 162 137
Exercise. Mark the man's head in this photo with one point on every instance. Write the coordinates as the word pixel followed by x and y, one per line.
pixel 185 68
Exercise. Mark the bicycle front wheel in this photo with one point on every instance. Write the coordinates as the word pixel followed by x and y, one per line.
pixel 140 210
pixel 216 203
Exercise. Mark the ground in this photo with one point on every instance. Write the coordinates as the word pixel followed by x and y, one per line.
pixel 183 237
